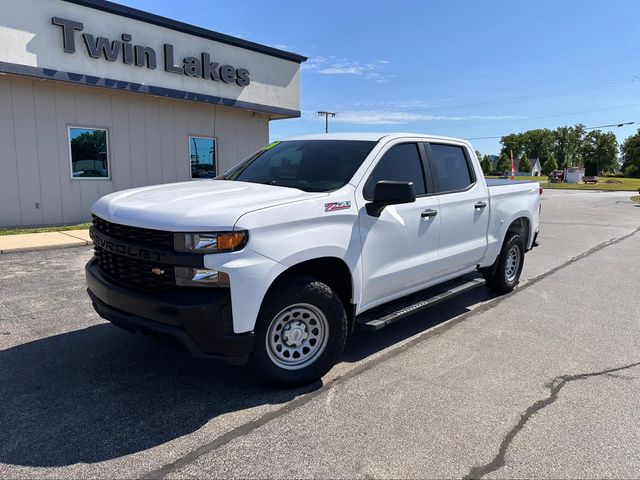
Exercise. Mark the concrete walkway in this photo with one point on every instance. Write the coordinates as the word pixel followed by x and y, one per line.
pixel 44 241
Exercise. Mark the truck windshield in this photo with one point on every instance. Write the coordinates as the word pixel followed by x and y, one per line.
pixel 309 165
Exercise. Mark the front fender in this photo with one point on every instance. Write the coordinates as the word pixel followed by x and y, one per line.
pixel 295 233
pixel 250 275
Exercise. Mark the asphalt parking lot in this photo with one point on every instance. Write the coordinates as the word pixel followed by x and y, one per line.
pixel 540 383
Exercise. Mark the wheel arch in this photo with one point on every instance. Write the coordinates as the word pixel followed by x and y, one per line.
pixel 522 226
pixel 332 271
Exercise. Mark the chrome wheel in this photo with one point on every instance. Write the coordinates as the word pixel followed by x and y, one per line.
pixel 297 336
pixel 512 264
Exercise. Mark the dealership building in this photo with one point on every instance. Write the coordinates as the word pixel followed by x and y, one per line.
pixel 97 97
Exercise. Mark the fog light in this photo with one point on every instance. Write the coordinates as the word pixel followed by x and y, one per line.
pixel 200 277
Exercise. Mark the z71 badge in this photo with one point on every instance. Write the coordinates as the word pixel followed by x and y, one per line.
pixel 333 206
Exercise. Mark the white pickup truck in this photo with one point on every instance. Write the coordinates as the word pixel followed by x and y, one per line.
pixel 275 262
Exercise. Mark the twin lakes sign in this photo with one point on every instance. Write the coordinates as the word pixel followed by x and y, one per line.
pixel 143 56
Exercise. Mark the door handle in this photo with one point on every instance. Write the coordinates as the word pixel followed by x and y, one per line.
pixel 428 213
pixel 480 205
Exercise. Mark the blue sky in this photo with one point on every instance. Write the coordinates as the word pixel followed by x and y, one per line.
pixel 459 68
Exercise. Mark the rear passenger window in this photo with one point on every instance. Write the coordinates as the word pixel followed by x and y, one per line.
pixel 451 170
pixel 401 163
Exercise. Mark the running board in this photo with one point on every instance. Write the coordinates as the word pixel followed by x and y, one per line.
pixel 381 316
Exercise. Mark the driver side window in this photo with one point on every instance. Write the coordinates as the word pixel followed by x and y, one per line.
pixel 401 163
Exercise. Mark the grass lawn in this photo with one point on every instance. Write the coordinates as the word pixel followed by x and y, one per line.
pixel 60 228
pixel 627 184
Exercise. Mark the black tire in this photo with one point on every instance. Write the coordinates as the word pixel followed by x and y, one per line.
pixel 285 307
pixel 503 278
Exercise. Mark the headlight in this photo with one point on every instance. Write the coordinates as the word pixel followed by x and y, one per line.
pixel 210 242
pixel 200 277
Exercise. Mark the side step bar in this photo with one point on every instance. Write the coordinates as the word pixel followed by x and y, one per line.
pixel 381 316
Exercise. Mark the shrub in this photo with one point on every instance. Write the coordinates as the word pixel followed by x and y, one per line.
pixel 632 171
pixel 549 165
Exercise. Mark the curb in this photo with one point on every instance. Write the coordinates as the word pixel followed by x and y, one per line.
pixel 32 242
pixel 41 248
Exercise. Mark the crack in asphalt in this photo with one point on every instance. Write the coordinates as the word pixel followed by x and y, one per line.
pixel 252 425
pixel 555 386
pixel 622 377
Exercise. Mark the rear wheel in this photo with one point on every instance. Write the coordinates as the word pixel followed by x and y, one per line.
pixel 300 332
pixel 506 274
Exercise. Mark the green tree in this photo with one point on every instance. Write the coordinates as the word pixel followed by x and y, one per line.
pixel 512 143
pixel 504 164
pixel 486 164
pixel 599 152
pixel 568 144
pixel 549 165
pixel 630 150
pixel 525 164
pixel 538 143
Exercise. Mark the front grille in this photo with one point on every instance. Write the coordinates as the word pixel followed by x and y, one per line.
pixel 156 238
pixel 134 272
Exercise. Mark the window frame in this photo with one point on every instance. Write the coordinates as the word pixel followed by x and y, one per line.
pixel 108 145
pixel 428 181
pixel 432 169
pixel 215 150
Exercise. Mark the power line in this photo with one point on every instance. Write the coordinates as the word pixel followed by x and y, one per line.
pixel 589 87
pixel 616 125
pixel 557 115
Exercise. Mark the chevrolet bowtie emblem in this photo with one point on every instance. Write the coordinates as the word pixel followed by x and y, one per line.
pixel 157 271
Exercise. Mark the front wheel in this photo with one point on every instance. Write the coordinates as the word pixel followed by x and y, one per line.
pixel 506 274
pixel 300 332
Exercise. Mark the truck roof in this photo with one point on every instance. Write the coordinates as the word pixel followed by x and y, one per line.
pixel 370 136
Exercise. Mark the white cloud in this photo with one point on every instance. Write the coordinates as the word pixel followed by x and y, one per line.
pixel 342 70
pixel 314 63
pixel 341 66
pixel 282 46
pixel 243 35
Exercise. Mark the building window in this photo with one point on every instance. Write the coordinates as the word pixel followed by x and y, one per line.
pixel 89 152
pixel 202 156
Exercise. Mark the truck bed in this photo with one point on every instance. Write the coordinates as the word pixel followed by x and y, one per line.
pixel 498 182
pixel 502 189
pixel 507 197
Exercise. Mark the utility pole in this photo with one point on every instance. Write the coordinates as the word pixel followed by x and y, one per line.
pixel 326 119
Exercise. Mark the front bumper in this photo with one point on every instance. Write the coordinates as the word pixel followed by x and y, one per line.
pixel 199 319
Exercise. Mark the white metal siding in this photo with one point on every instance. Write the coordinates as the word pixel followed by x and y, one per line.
pixel 148 144
pixel 9 191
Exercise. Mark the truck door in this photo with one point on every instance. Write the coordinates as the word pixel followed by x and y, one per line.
pixel 400 247
pixel 464 207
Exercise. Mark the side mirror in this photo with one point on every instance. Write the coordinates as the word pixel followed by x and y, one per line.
pixel 388 192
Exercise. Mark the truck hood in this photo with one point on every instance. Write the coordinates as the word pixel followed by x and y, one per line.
pixel 197 206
